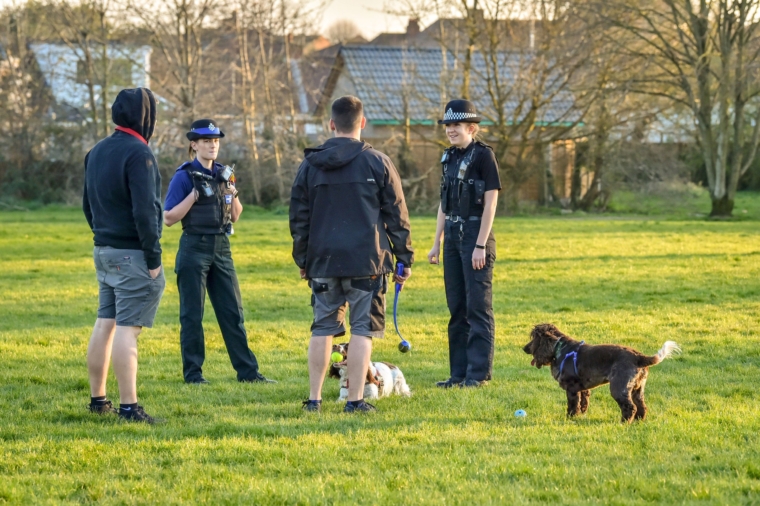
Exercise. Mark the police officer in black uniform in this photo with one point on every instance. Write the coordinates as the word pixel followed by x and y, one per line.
pixel 203 196
pixel 469 188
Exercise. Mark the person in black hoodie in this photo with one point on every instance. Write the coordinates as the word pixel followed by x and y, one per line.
pixel 122 204
pixel 348 219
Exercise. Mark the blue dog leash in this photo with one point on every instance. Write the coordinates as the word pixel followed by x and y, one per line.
pixel 404 346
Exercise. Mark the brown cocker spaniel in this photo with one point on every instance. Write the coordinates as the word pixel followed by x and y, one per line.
pixel 579 367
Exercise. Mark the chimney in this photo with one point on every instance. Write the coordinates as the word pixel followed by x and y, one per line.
pixel 413 28
pixel 532 35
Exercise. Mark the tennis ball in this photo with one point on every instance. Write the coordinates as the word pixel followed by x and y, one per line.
pixel 336 357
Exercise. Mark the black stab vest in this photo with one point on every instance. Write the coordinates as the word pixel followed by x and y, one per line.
pixel 471 195
pixel 209 215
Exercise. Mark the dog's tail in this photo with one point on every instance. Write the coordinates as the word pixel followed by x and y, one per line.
pixel 668 349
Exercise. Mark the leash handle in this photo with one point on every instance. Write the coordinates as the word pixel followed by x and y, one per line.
pixel 399 273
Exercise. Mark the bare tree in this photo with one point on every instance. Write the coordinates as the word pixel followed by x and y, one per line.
pixel 21 102
pixel 531 69
pixel 85 27
pixel 247 91
pixel 343 31
pixel 522 73
pixel 38 160
pixel 176 29
pixel 704 57
pixel 615 117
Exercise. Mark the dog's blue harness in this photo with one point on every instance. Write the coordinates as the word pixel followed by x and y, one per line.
pixel 573 354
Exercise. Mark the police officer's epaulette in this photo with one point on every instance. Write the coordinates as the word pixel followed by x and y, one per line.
pixel 483 145
pixel 183 166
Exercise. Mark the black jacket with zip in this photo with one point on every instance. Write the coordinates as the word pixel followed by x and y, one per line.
pixel 122 190
pixel 348 217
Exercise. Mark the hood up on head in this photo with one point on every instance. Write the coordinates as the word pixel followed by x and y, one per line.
pixel 335 153
pixel 135 108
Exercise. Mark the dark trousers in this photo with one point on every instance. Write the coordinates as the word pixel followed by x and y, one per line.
pixel 204 263
pixel 468 294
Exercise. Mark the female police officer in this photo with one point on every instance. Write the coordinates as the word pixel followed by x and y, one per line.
pixel 202 195
pixel 469 189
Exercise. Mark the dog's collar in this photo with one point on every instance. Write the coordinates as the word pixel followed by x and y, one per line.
pixel 558 348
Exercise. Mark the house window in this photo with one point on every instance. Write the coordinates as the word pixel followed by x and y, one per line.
pixel 119 72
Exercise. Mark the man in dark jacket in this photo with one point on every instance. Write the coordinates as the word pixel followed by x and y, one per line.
pixel 122 203
pixel 348 220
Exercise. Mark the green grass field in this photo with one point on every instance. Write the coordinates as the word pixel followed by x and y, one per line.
pixel 631 281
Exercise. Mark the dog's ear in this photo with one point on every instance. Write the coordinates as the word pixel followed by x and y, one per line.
pixel 371 380
pixel 535 336
pixel 543 349
pixel 542 342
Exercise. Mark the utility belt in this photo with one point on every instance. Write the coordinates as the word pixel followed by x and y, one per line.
pixel 458 219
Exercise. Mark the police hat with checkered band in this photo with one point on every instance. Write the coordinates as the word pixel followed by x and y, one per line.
pixel 204 129
pixel 460 111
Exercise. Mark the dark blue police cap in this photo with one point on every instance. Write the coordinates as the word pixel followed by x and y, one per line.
pixel 204 129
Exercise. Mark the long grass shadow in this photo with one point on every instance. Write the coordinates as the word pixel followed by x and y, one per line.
pixel 604 258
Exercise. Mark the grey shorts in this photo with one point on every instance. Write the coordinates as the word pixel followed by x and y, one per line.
pixel 127 292
pixel 365 298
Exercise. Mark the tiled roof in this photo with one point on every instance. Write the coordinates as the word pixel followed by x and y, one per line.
pixel 390 80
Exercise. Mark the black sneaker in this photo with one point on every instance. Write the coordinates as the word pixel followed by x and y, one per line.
pixel 311 405
pixel 259 378
pixel 449 383
pixel 198 381
pixel 472 383
pixel 138 415
pixel 102 408
pixel 362 407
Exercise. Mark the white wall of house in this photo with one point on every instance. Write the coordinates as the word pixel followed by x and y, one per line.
pixel 62 68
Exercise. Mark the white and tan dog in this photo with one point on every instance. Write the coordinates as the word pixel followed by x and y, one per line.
pixel 383 379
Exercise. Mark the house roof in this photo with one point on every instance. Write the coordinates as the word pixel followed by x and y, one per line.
pixel 392 80
pixel 513 34
pixel 314 70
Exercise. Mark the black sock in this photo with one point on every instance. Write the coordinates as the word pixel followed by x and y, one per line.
pixel 316 402
pixel 355 403
pixel 98 401
pixel 128 407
